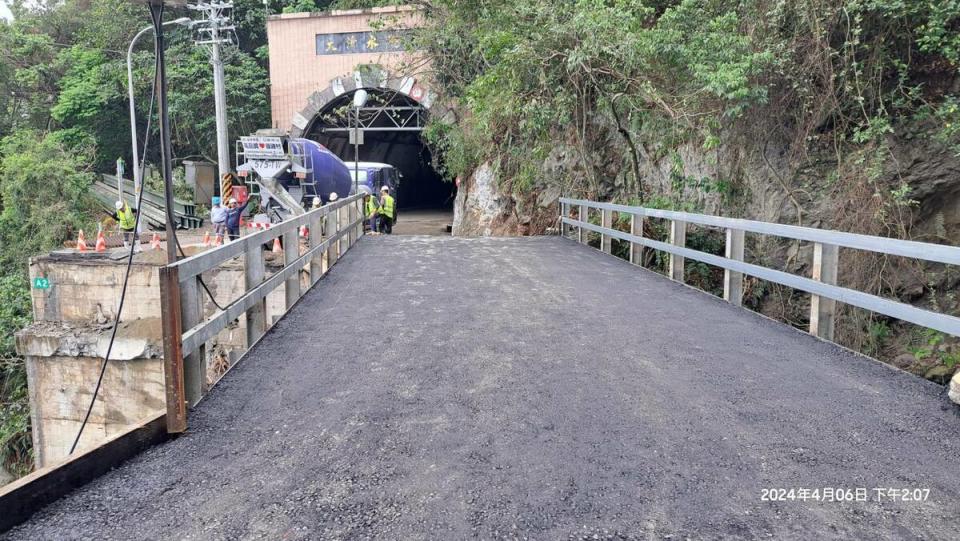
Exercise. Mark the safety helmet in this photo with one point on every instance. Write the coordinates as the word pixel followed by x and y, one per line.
pixel 118 204
pixel 232 200
pixel 333 196
pixel 216 200
pixel 384 188
pixel 316 201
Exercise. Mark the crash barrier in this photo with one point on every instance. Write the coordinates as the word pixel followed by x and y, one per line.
pixel 186 329
pixel 822 286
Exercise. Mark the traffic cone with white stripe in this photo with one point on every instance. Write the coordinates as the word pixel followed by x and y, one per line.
pixel 206 239
pixel 303 231
pixel 277 249
pixel 155 241
pixel 81 242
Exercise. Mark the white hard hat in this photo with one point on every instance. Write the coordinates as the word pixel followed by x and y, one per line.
pixel 232 200
pixel 316 201
pixel 384 189
pixel 118 204
pixel 333 196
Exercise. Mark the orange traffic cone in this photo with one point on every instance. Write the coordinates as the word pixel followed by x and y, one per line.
pixel 277 249
pixel 81 242
pixel 206 239
pixel 303 231
pixel 155 242
pixel 219 241
pixel 101 242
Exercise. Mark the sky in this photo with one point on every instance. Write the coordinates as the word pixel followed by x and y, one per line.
pixel 5 11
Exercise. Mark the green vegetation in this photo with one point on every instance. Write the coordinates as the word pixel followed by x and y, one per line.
pixel 64 118
pixel 637 78
pixel 629 97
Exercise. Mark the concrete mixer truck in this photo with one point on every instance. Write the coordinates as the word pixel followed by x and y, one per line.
pixel 287 173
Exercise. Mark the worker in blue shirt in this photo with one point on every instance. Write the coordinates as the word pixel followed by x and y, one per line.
pixel 233 217
pixel 218 217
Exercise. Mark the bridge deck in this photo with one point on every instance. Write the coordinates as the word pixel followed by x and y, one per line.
pixel 447 388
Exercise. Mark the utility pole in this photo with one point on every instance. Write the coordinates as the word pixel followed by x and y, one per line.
pixel 166 148
pixel 213 31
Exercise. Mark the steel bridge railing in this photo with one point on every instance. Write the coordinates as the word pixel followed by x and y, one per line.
pixel 822 285
pixel 333 229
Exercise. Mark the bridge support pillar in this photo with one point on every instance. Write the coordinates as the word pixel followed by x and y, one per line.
pixel 823 310
pixel 678 237
pixel 606 241
pixel 253 275
pixel 732 280
pixel 636 249
pixel 584 217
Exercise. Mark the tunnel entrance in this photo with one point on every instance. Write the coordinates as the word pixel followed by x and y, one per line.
pixel 391 122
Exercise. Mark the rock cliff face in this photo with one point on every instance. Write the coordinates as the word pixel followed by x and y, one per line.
pixel 483 208
pixel 749 179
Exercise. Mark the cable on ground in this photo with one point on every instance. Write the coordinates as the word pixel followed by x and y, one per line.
pixel 126 276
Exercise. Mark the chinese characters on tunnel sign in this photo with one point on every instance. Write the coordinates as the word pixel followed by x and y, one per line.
pixel 383 41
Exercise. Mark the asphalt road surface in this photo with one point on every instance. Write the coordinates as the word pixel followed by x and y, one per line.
pixel 423 222
pixel 442 388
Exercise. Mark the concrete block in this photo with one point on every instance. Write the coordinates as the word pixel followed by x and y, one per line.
pixel 954 392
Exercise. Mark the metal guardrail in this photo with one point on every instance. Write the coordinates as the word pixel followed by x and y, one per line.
pixel 822 285
pixel 186 328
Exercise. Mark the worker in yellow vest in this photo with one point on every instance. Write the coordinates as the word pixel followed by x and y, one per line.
pixel 370 208
pixel 388 211
pixel 127 219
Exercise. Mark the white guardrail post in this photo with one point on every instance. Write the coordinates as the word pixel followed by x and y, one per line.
pixel 253 275
pixel 291 252
pixel 316 262
pixel 606 221
pixel 678 237
pixel 194 364
pixel 331 230
pixel 563 214
pixel 359 214
pixel 636 229
pixel 584 217
pixel 733 280
pixel 822 309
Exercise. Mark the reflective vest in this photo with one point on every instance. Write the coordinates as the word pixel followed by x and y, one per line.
pixel 127 220
pixel 371 207
pixel 387 208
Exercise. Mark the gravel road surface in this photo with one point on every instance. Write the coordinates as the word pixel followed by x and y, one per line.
pixel 442 388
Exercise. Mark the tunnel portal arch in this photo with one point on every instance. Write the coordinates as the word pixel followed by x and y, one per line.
pixel 398 110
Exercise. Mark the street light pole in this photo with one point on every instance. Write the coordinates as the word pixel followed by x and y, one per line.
pixel 359 100
pixel 134 139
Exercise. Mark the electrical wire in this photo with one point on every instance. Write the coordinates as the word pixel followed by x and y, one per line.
pixel 126 276
pixel 202 283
